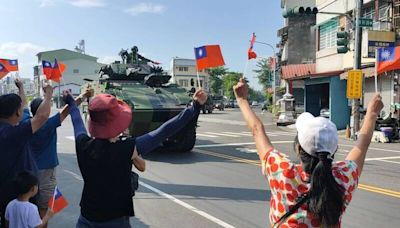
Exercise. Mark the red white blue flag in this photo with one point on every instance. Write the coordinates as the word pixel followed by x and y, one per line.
pixel 388 59
pixel 10 64
pixel 3 71
pixel 208 56
pixel 57 203
pixel 251 54
pixel 47 69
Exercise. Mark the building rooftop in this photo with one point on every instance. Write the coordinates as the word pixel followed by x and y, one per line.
pixel 184 62
pixel 63 54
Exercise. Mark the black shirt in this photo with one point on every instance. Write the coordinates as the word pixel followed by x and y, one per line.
pixel 105 169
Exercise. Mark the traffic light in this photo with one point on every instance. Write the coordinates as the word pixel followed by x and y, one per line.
pixel 299 11
pixel 342 42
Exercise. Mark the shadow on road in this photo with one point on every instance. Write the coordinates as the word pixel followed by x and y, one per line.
pixel 197 192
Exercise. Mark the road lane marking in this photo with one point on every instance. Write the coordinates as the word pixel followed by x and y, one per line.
pixel 173 199
pixel 187 206
pixel 75 175
pixel 238 133
pixel 373 148
pixel 237 144
pixel 204 135
pixel 221 134
pixel 383 191
pixel 382 158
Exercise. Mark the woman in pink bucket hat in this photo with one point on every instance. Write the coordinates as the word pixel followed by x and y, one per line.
pixel 105 159
pixel 316 192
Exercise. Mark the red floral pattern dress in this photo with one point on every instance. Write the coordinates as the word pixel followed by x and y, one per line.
pixel 288 181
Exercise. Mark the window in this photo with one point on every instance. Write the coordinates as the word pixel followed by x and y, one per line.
pixel 183 83
pixel 75 71
pixel 327 34
pixel 183 68
pixel 201 83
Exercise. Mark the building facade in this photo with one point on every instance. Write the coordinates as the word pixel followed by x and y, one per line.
pixel 183 71
pixel 78 67
pixel 325 84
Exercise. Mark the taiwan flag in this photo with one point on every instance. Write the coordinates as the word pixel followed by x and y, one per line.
pixel 251 54
pixel 388 59
pixel 56 72
pixel 57 203
pixel 10 64
pixel 3 71
pixel 47 69
pixel 208 56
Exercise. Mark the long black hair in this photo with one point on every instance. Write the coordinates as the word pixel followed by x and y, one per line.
pixel 326 196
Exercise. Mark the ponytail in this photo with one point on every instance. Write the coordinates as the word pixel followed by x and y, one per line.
pixel 326 197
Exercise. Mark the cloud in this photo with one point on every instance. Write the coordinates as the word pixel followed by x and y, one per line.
pixel 145 8
pixel 25 52
pixel 46 3
pixel 87 3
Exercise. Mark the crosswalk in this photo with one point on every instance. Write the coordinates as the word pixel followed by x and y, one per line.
pixel 208 134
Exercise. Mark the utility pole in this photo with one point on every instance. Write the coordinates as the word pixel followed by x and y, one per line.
pixel 355 117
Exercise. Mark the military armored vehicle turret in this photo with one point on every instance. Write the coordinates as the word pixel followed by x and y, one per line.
pixel 146 88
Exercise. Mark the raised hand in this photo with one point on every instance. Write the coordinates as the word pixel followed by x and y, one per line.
pixel 67 97
pixel 48 90
pixel 375 105
pixel 19 84
pixel 241 89
pixel 200 96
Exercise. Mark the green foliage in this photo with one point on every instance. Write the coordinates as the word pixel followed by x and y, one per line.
pixel 229 80
pixel 264 73
pixel 216 81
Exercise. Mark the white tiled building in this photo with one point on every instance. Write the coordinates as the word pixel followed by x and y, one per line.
pixel 183 70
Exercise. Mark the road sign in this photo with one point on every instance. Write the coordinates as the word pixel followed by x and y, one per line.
pixel 366 22
pixel 354 84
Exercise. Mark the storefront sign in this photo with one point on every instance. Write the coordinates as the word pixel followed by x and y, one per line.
pixel 354 84
pixel 372 45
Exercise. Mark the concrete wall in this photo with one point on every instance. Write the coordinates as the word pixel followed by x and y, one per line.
pixel 301 40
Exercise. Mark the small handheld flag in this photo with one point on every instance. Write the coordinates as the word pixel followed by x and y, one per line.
pixel 3 71
pixel 250 53
pixel 388 59
pixel 57 203
pixel 208 56
pixel 10 64
pixel 47 69
pixel 56 72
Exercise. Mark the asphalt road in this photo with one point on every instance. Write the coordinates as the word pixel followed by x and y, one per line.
pixel 219 183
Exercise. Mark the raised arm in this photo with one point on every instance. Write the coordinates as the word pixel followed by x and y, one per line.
pixel 150 141
pixel 21 91
pixel 65 111
pixel 77 122
pixel 359 152
pixel 43 112
pixel 263 144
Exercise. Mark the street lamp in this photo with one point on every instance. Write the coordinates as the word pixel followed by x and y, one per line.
pixel 275 60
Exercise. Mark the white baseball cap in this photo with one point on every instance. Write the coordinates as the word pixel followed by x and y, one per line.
pixel 316 134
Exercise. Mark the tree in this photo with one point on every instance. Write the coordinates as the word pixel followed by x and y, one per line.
pixel 216 81
pixel 229 80
pixel 264 73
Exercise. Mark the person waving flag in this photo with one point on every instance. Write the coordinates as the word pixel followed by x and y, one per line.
pixel 251 54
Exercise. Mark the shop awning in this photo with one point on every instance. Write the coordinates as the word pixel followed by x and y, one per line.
pixel 297 71
pixel 368 72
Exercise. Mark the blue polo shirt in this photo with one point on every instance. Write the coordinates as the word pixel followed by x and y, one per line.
pixel 15 153
pixel 44 143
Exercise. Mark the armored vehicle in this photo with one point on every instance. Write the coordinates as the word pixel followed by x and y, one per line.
pixel 146 89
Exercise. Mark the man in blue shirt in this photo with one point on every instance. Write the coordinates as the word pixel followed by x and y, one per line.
pixel 44 149
pixel 15 154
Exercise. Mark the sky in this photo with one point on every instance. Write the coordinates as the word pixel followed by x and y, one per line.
pixel 162 29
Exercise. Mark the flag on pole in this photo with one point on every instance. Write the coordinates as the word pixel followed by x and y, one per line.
pixel 208 56
pixel 57 203
pixel 10 64
pixel 251 54
pixel 388 59
pixel 47 69
pixel 3 71
pixel 56 72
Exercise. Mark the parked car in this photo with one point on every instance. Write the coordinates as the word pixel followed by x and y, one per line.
pixel 255 104
pixel 208 106
pixel 218 102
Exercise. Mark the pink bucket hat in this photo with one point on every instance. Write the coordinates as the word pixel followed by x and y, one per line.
pixel 109 116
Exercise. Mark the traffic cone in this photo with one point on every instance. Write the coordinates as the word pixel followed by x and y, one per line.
pixel 348 133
